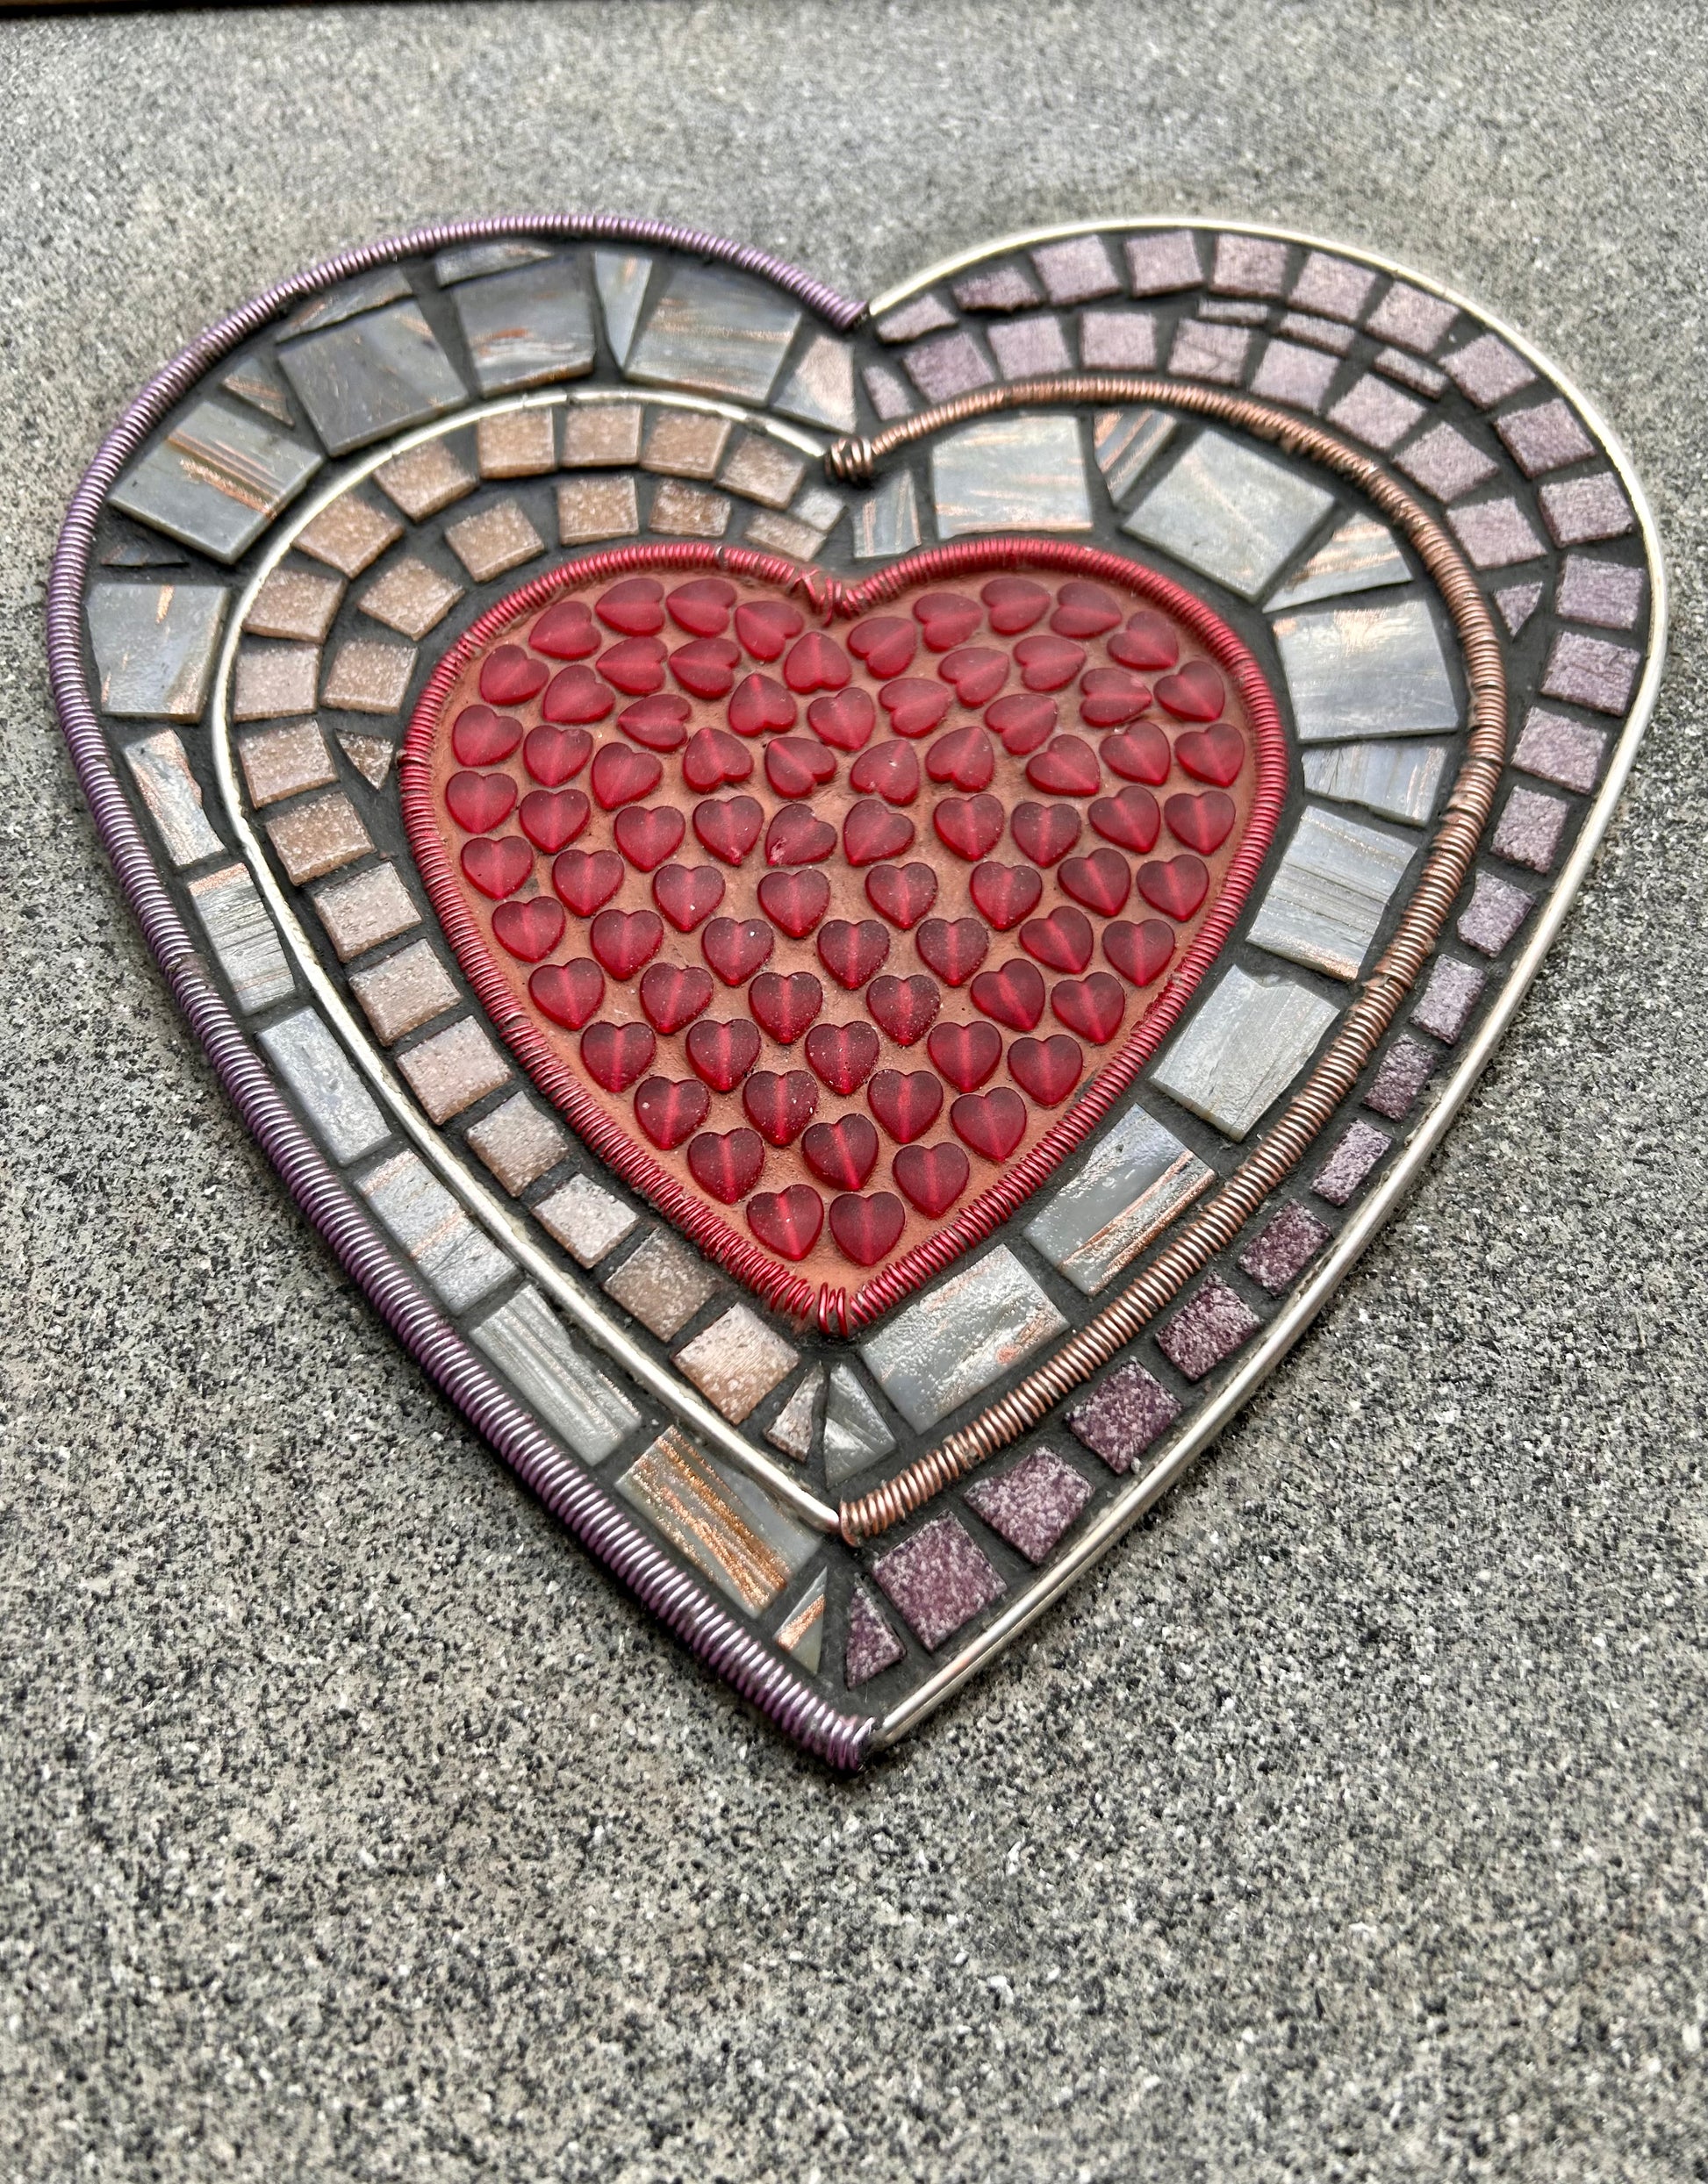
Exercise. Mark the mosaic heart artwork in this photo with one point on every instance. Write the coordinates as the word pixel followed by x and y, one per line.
pixel 848 915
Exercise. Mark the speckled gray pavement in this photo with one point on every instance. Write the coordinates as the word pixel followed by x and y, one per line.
pixel 1349 1822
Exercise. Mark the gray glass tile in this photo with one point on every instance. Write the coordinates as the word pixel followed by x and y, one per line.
pixel 587 1219
pixel 525 1341
pixel 375 375
pixel 855 1435
pixel 527 327
pixel 258 381
pixel 886 520
pixel 820 390
pixel 241 935
pixel 1118 339
pixel 217 480
pixel 1077 269
pixel 154 647
pixel 793 1429
pixel 736 1361
pixel 620 277
pixel 1590 671
pixel 1214 353
pixel 340 1110
pixel 432 1231
pixel 1126 442
pixel 174 798
pixel 776 533
pixel 368 291
pixel 1230 513
pixel 1330 893
pixel 1362 556
pixel 1399 780
pixel 139 551
pixel 920 314
pixel 1366 671
pixel 1138 1178
pixel 1158 264
pixel 472 261
pixel 1557 748
pixel 1027 348
pixel 727 1527
pixel 1023 473
pixel 1248 1041
pixel 712 330
pixel 801 1631
pixel 959 1337
pixel 947 365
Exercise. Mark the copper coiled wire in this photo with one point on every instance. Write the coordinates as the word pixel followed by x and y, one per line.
pixel 1332 1077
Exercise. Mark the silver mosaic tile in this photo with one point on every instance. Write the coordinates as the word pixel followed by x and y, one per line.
pixel 794 1426
pixel 376 375
pixel 173 795
pixel 1138 1177
pixel 1362 556
pixel 886 520
pixel 1024 473
pixel 526 1341
pixel 801 1631
pixel 715 333
pixel 1125 443
pixel 620 276
pixel 154 647
pixel 473 261
pixel 1366 671
pixel 216 481
pixel 1242 1050
pixel 1398 780
pixel 241 935
pixel 820 390
pixel 339 1109
pixel 368 291
pixel 855 1435
pixel 432 1230
pixel 1329 893
pixel 1231 513
pixel 955 1341
pixel 258 381
pixel 725 1526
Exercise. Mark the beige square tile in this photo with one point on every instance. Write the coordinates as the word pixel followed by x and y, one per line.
pixel 664 1283
pixel 689 512
pixel 736 1362
pixel 452 1070
pixel 318 837
pixel 298 602
pixel 587 1221
pixel 360 914
pixel 601 435
pixel 518 1143
pixel 522 443
pixel 410 597
pixel 284 762
pixel 496 539
pixel 407 990
pixel 351 533
pixel 686 443
pixel 425 480
pixel 597 508
pixel 782 535
pixel 368 676
pixel 763 470
pixel 272 680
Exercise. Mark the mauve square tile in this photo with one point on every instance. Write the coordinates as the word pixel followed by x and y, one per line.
pixel 1404 1071
pixel 1557 748
pixel 1488 370
pixel 1496 533
pixel 1454 990
pixel 1249 265
pixel 949 365
pixel 1209 1328
pixel 1283 1248
pixel 1375 413
pixel 1445 464
pixel 1032 1505
pixel 1579 510
pixel 1333 286
pixel 1411 316
pixel 1214 353
pixel 1158 264
pixel 1608 594
pixel 1122 1415
pixel 1590 671
pixel 1076 269
pixel 1529 829
pixel 1346 1167
pixel 1545 437
pixel 1493 915
pixel 939 1579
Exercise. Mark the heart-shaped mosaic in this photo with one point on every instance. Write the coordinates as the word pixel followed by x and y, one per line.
pixel 848 915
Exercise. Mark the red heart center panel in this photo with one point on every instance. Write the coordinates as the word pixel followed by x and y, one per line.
pixel 833 917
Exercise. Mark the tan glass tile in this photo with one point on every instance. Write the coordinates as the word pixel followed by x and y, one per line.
pixel 368 676
pixel 318 837
pixel 273 680
pixel 587 1219
pixel 425 480
pixel 452 1070
pixel 597 508
pixel 601 435
pixel 284 762
pixel 407 990
pixel 371 755
pixel 664 1283
pixel 297 603
pixel 498 538
pixel 763 470
pixel 736 1362
pixel 522 443
pixel 360 914
pixel 686 443
pixel 689 512
pixel 410 597
pixel 518 1143
pixel 349 534
pixel 782 535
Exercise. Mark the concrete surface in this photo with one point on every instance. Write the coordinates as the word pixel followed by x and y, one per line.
pixel 1350 1824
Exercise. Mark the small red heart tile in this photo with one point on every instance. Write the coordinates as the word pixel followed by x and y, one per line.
pixel 1015 603
pixel 889 769
pixel 785 1003
pixel 1062 941
pixel 669 1110
pixel 885 643
pixel 965 1054
pixel 735 947
pixel 1006 893
pixel 872 830
pixel 795 837
pixel 779 1103
pixel 728 826
pixel 844 720
pixel 932 1176
pixel 1103 881
pixel 614 1055
pixel 728 1164
pixel 555 756
pixel 530 930
pixel 760 706
pixel 1045 832
pixel 1048 662
pixel 796 765
pixel 622 776
pixel 635 667
pixel 647 837
pixel 1138 753
pixel 794 901
pixel 954 948
pixel 1012 994
pixel 552 818
pixel 673 994
pixel 842 1154
pixel 1202 822
pixel 1174 885
pixel 843 1056
pixel 714 757
pixel 702 607
pixel 817 662
pixel 853 954
pixel 975 673
pixel 1067 767
pixel 966 758
pixel 497 869
pixel 1092 1006
pixel 635 606
pixel 483 737
pixel 913 706
pixel 687 893
pixel 903 893
pixel 1130 820
pixel 1085 609
pixel 787 1221
pixel 1046 1069
pixel 1111 697
pixel 906 1008
pixel 566 632
pixel 1194 692
pixel 657 724
pixel 765 627
pixel 947 619
pixel 1214 754
pixel 993 1123
pixel 480 802
pixel 721 1053
pixel 508 676
pixel 624 940
pixel 1023 721
pixel 569 993
pixel 866 1230
pixel 969 825
pixel 1139 952
pixel 906 1102
pixel 576 697
pixel 584 878
pixel 1149 642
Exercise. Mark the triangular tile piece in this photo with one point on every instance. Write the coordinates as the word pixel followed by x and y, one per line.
pixel 622 281
pixel 1362 556
pixel 855 1435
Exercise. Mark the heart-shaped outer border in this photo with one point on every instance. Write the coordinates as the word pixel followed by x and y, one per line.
pixel 837 1310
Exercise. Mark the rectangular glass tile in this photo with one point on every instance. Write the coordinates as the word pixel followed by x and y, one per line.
pixel 590 508
pixel 1366 671
pixel 717 332
pixel 959 1337
pixel 948 365
pixel 1362 556
pixel 587 1219
pixel 452 1068
pixel 385 284
pixel 525 327
pixel 1410 371
pixel 1024 473
pixel 1249 265
pixel 349 533
pixel 279 762
pixel 1454 990
pixel 324 1078
pixel 525 1341
pixel 365 912
pixel 494 539
pixel 1000 288
pixel 1546 437
pixel 1322 333
pixel 1399 780
pixel 154 645
pixel 801 1633
pixel 1329 893
pixel 472 261
pixel 1445 464
pixel 1346 1167
pixel 1494 913
pixel 217 480
pixel 1578 510
pixel 1530 829
pixel 377 375
pixel 517 443
pixel 173 795
pixel 1375 413
pixel 424 479
pixel 1125 443
pixel 272 680
pixel 727 1527
pixel 405 992
pixel 258 381
pixel 886 520
pixel 1209 1327
pixel 411 597
pixel 1248 1041
pixel 736 1361
pixel 1122 1415
pixel 518 1142
pixel 432 1231
pixel 1138 1177
pixel 1488 370
pixel 298 604
pixel 602 435
pixel 240 934
pixel 1032 1504
pixel 620 276
pixel 820 390
pixel 855 1434
pixel 1233 514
